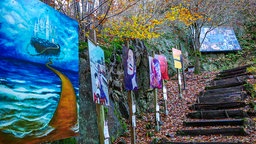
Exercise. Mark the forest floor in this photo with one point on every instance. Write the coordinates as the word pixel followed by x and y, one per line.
pixel 178 108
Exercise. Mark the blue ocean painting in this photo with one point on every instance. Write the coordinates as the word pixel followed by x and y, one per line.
pixel 39 79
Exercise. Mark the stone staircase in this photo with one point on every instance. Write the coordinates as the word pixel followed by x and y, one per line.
pixel 221 109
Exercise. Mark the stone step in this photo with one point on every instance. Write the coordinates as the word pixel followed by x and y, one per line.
pixel 225 83
pixel 217 106
pixel 222 90
pixel 215 114
pixel 238 131
pixel 222 98
pixel 219 122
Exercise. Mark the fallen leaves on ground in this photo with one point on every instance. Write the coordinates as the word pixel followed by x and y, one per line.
pixel 178 108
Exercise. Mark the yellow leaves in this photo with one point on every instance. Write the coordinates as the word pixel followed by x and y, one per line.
pixel 251 69
pixel 156 22
pixel 141 25
pixel 170 16
pixel 141 6
pixel 133 27
pixel 183 14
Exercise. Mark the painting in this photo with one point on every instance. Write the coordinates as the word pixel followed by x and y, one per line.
pixel 130 80
pixel 39 73
pixel 155 73
pixel 177 58
pixel 218 40
pixel 163 66
pixel 98 74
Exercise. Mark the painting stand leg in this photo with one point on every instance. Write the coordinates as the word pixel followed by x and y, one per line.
pixel 100 120
pixel 132 110
pixel 165 98
pixel 183 77
pixel 157 127
pixel 179 83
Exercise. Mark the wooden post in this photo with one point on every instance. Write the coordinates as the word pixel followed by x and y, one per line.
pixel 183 75
pixel 157 127
pixel 179 83
pixel 100 109
pixel 132 110
pixel 132 117
pixel 157 115
pixel 165 98
pixel 100 121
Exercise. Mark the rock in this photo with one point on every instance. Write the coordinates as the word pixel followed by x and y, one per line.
pixel 124 109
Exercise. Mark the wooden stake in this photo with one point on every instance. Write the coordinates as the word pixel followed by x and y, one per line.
pixel 132 122
pixel 157 115
pixel 165 98
pixel 183 75
pixel 179 83
pixel 100 121
pixel 132 110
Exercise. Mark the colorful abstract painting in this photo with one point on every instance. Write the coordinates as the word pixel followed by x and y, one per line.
pixel 155 73
pixel 218 39
pixel 39 79
pixel 163 66
pixel 98 74
pixel 130 80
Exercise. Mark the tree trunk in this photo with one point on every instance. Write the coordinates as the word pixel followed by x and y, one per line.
pixel 197 63
pixel 196 44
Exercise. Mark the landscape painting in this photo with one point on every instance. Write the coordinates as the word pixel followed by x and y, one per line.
pixel 219 39
pixel 39 79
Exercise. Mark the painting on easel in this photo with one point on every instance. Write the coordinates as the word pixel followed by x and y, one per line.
pixel 39 78
pixel 155 73
pixel 130 80
pixel 98 74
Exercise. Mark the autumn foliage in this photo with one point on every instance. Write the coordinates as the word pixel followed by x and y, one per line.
pixel 183 14
pixel 133 27
pixel 146 25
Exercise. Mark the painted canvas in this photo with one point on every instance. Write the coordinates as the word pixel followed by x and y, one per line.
pixel 130 80
pixel 39 79
pixel 98 74
pixel 219 39
pixel 163 66
pixel 155 73
pixel 177 58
